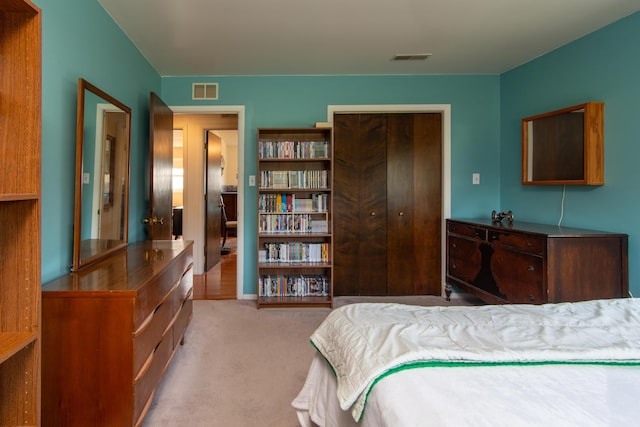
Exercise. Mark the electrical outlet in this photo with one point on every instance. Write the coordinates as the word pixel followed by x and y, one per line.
pixel 476 179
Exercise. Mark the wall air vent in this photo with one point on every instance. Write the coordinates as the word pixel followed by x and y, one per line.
pixel 202 91
pixel 410 57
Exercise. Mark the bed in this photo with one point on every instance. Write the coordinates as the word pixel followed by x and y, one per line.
pixel 567 364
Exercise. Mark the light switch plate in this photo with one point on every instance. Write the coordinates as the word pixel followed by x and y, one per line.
pixel 252 180
pixel 476 178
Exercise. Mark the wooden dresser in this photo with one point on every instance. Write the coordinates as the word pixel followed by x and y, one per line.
pixel 535 263
pixel 110 332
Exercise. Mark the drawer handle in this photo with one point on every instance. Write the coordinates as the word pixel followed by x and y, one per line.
pixel 145 324
pixel 145 366
pixel 453 245
pixel 372 214
pixel 529 244
pixel 454 266
pixel 530 268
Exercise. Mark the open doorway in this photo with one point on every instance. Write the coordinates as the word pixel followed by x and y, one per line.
pixel 206 140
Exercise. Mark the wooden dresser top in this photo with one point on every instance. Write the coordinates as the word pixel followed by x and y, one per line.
pixel 122 274
pixel 529 227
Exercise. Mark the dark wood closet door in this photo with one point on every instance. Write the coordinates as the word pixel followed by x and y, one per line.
pixel 360 213
pixel 428 203
pixel 387 204
pixel 401 258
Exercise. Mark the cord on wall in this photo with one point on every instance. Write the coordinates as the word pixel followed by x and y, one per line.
pixel 564 188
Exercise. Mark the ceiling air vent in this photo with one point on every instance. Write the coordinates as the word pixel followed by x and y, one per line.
pixel 410 57
pixel 205 91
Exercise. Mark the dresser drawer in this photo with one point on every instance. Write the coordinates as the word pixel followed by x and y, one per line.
pixel 518 276
pixel 467 230
pixel 185 288
pixel 531 243
pixel 151 295
pixel 184 317
pixel 464 258
pixel 151 373
pixel 148 335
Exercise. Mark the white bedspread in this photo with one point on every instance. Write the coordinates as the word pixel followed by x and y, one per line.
pixel 483 396
pixel 362 342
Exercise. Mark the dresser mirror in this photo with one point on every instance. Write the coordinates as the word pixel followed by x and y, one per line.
pixel 101 213
pixel 564 147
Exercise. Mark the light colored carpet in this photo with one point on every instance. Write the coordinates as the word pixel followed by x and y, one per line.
pixel 242 367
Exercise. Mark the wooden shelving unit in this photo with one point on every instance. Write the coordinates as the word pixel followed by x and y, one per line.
pixel 20 187
pixel 295 255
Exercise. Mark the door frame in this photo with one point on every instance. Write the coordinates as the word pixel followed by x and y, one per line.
pixel 240 111
pixel 445 110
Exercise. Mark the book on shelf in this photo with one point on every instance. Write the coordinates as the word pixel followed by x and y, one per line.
pixel 294 252
pixel 319 226
pixel 294 179
pixel 293 149
pixel 285 223
pixel 293 285
pixel 289 202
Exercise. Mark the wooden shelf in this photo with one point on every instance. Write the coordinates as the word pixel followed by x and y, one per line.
pixel 293 235
pixel 288 265
pixel 305 159
pixel 12 343
pixel 308 301
pixel 18 197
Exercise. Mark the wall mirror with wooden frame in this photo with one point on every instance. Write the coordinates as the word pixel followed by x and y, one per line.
pixel 101 215
pixel 564 147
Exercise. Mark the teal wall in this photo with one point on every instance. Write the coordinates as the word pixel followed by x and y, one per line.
pixel 79 39
pixel 602 66
pixel 287 101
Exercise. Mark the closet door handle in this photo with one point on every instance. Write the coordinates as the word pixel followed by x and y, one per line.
pixel 401 213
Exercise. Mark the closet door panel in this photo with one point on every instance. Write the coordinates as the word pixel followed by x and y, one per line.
pixel 427 203
pixel 373 205
pixel 346 200
pixel 400 238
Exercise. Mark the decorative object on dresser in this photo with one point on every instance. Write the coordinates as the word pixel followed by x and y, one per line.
pixel 499 216
pixel 294 217
pixel 535 263
pixel 20 211
pixel 110 332
pixel 564 147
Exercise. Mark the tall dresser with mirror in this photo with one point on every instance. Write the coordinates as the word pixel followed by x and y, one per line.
pixel 111 327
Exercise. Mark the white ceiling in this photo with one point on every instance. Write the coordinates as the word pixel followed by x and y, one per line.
pixel 304 37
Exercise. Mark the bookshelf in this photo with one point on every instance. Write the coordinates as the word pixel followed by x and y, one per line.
pixel 294 217
pixel 20 159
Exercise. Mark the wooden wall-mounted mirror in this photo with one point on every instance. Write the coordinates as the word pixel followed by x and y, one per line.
pixel 564 147
pixel 101 217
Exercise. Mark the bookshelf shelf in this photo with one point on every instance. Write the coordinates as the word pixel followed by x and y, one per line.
pixel 295 178
pixel 294 301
